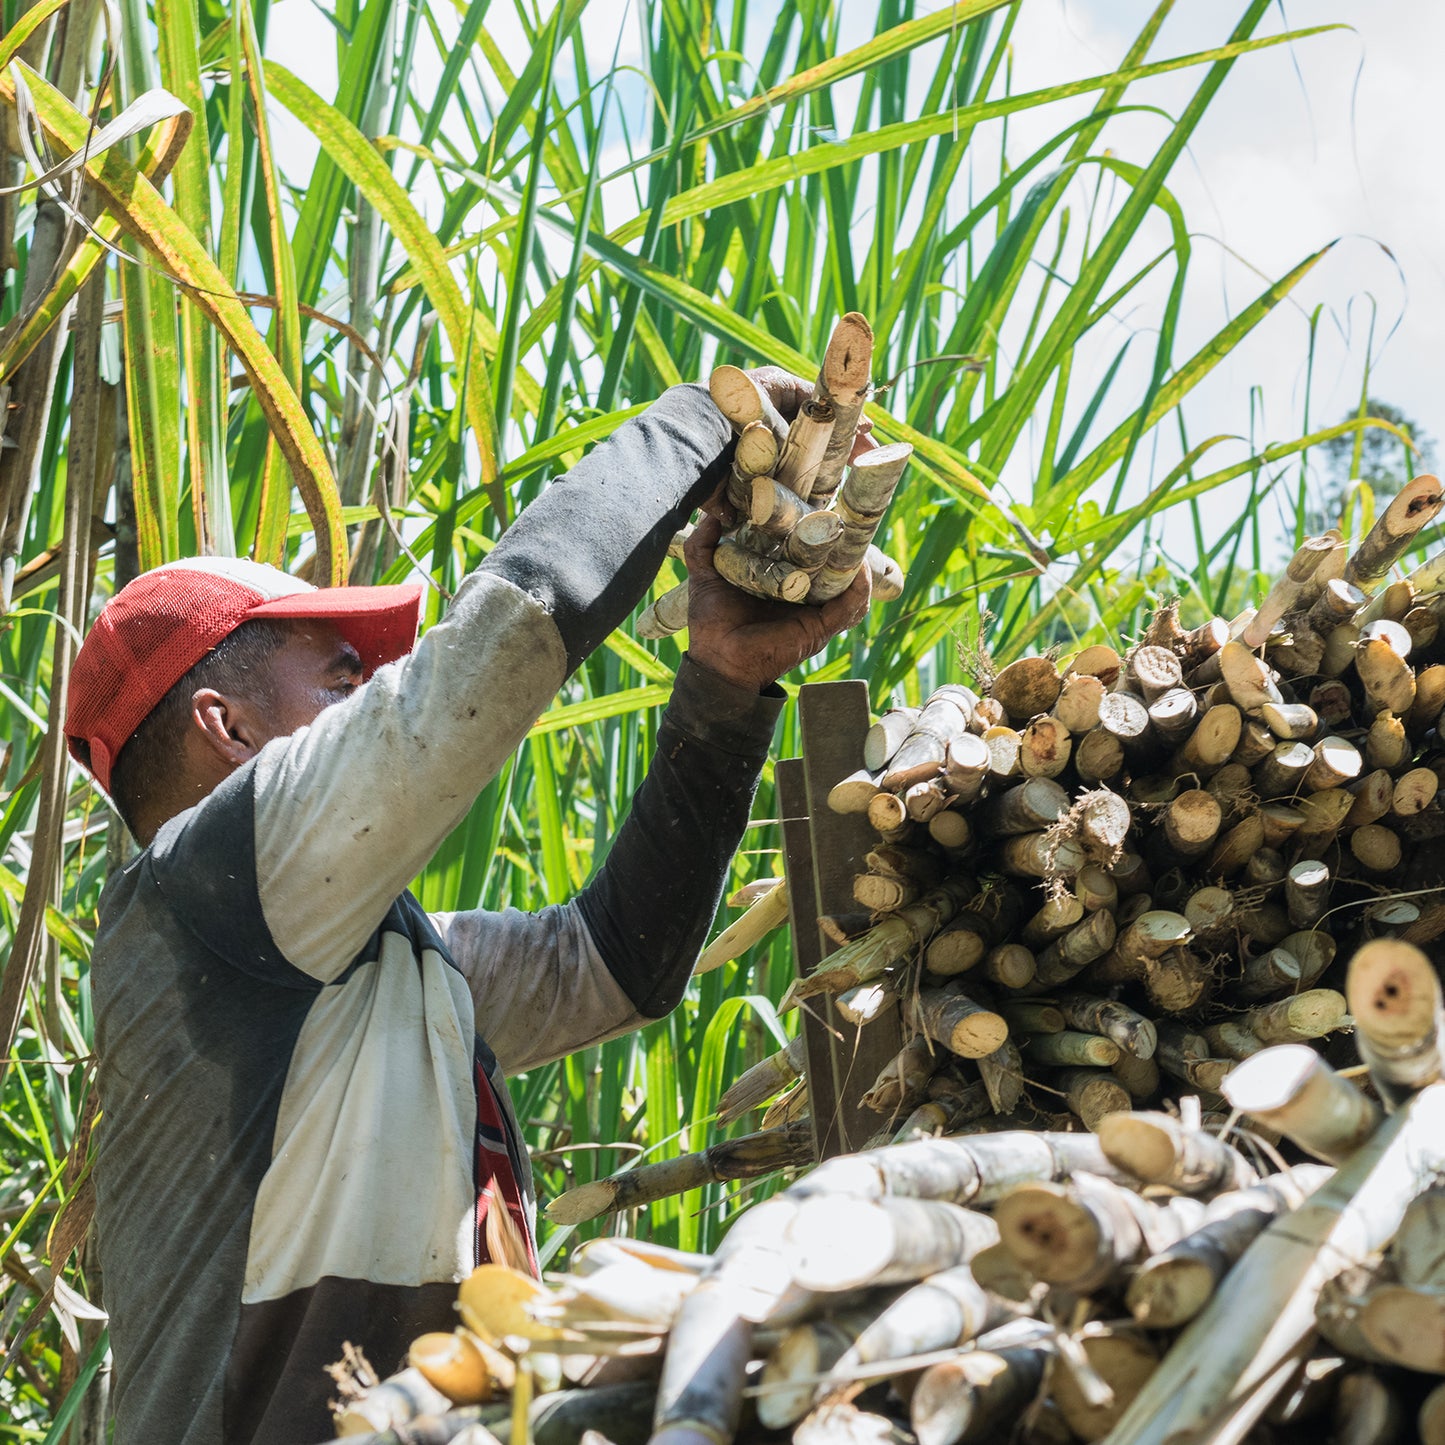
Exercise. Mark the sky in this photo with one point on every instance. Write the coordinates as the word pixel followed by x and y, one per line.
pixel 1335 138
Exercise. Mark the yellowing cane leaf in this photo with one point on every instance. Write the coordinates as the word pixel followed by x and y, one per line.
pixel 145 215
pixel 471 336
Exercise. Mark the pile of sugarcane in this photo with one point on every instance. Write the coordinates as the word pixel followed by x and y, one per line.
pixel 1102 883
pixel 1142 1284
pixel 802 531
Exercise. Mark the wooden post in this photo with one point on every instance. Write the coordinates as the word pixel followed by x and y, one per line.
pixel 843 1061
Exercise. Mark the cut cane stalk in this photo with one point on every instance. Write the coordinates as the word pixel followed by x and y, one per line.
pixel 844 381
pixel 1236 847
pixel 811 538
pixel 861 504
pixel 1075 950
pixel 1027 688
pixel 1098 756
pixel 1139 1076
pixel 1386 743
pixel 1394 995
pixel 950 830
pixel 977 1396
pixel 761 576
pixel 1291 1089
pixel 742 401
pixel 763 1081
pixel 845 1243
pixel 1095 888
pixel 886 736
pixel 1376 849
pixel 1307 892
pixel 1282 773
pixel 944 1310
pixel 1388 679
pixel 952 1019
pixel 1089 1234
pixel 1010 966
pixel 1235 1357
pixel 1125 1360
pixel 762 917
pixel 1170 1288
pixel 855 792
pixel 1131 1031
pixel 1070 1049
pixel 966 766
pixel 903 1081
pixel 1173 716
pixel 665 615
pixel 1149 937
pixel 1160 1149
pixel 1091 1094
pixel 1285 592
pixel 1273 972
pixel 1413 792
pixel 975 1171
pixel 1125 717
pixel 1412 508
pixel 1077 706
pixel 786 1386
pixel 748 1157
pixel 868 957
pixel 1044 748
pixel 807 442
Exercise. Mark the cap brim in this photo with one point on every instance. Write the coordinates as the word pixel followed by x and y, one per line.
pixel 379 622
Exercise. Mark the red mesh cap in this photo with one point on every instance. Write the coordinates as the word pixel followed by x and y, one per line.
pixel 155 629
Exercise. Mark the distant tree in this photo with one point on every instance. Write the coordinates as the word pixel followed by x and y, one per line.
pixel 1386 463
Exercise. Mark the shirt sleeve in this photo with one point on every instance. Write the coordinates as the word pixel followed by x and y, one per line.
pixel 621 953
pixel 348 810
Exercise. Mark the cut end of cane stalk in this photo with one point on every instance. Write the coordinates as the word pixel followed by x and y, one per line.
pixel 839 1243
pixel 1393 993
pixel 496 1303
pixel 454 1364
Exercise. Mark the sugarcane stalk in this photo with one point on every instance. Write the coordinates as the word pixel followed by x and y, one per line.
pixel 974 1170
pixel 843 1243
pixel 1088 1234
pixel 843 384
pixel 883 946
pixel 1160 1149
pixel 1239 1351
pixel 1394 994
pixel 977 1396
pixel 1027 687
pixel 762 917
pixel 1171 1287
pixel 903 1080
pixel 861 503
pixel 1130 1031
pixel 727 1161
pixel 786 1387
pixel 763 1081
pixel 945 1309
pixel 1412 509
pixel 1122 1361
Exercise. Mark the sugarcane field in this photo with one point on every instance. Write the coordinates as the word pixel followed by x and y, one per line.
pixel 724 722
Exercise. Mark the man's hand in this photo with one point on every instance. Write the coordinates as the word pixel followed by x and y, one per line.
pixel 749 640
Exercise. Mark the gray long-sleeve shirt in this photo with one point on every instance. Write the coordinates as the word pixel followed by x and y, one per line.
pixel 301 1070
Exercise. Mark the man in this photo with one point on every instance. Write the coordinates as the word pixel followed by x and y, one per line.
pixel 306 1134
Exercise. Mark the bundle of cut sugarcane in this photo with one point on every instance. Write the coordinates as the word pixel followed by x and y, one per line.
pixel 1102 883
pixel 1145 1283
pixel 804 531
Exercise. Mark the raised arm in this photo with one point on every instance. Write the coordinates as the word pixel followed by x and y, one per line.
pixel 347 811
pixel 621 953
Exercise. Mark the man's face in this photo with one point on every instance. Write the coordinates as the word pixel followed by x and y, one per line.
pixel 314 668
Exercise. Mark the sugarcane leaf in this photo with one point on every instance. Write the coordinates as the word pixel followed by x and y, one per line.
pixel 147 217
pixel 470 335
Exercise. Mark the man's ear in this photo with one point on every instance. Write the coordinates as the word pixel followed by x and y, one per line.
pixel 226 726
